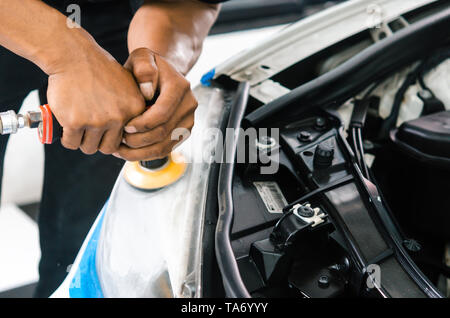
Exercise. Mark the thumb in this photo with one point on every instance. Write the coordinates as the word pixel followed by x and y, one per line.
pixel 141 63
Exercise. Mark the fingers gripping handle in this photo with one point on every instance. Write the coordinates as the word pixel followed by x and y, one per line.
pixel 49 130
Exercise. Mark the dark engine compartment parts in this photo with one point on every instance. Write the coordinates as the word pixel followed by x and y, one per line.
pixel 413 170
pixel 359 204
pixel 331 239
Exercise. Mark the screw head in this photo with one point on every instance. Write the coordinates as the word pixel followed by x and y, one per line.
pixel 324 281
pixel 320 123
pixel 305 211
pixel 304 136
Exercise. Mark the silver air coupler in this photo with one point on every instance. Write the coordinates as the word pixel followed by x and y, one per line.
pixel 10 122
pixel 48 127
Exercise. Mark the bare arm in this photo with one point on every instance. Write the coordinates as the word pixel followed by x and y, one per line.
pixel 92 109
pixel 39 33
pixel 173 29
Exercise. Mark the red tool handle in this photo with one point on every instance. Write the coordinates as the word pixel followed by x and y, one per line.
pixel 51 130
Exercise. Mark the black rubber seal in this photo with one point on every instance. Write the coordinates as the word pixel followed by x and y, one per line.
pixel 232 281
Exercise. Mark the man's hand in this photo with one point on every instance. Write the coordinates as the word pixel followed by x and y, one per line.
pixel 148 136
pixel 164 40
pixel 93 98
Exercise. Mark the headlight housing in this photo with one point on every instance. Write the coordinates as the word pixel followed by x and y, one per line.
pixel 149 244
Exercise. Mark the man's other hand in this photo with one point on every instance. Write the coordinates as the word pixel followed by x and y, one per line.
pixel 148 136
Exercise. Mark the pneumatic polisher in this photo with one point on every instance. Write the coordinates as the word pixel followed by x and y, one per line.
pixel 144 175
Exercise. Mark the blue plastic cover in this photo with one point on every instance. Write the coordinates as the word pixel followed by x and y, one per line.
pixel 85 283
pixel 206 79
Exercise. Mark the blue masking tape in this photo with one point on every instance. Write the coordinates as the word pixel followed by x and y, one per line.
pixel 206 79
pixel 86 283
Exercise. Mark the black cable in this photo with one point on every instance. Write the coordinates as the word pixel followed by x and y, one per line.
pixel 282 218
pixel 370 91
pixel 422 82
pixel 355 147
pixel 414 76
pixel 358 148
pixel 357 123
pixel 361 152
pixel 391 121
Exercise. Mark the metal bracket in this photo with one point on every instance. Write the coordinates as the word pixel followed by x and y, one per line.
pixel 268 91
pixel 316 219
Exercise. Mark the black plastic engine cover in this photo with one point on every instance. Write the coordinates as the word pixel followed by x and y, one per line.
pixel 415 177
pixel 426 138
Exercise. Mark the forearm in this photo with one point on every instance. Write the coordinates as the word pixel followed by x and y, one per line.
pixel 172 29
pixel 40 34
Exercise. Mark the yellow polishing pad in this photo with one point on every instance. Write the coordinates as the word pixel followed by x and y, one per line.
pixel 149 179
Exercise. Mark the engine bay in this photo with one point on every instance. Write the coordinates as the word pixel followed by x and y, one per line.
pixel 301 248
pixel 359 205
